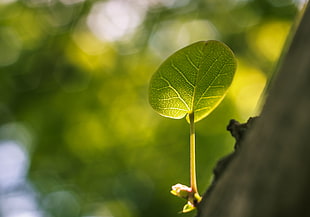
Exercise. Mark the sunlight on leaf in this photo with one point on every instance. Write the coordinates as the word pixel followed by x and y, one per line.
pixel 193 79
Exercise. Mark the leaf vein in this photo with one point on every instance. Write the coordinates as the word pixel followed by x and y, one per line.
pixel 219 73
pixel 167 99
pixel 201 109
pixel 172 108
pixel 182 74
pixel 191 62
pixel 210 97
pixel 170 86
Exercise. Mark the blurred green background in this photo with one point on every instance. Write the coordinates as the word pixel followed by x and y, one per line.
pixel 77 135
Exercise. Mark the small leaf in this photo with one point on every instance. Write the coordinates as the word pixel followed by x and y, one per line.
pixel 181 191
pixel 188 207
pixel 193 79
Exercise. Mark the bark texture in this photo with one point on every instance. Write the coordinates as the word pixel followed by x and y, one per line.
pixel 269 176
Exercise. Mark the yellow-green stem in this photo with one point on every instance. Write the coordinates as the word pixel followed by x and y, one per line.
pixel 192 154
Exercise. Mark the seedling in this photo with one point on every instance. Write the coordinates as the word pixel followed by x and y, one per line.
pixel 191 83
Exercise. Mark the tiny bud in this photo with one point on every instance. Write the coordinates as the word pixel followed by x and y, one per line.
pixel 180 190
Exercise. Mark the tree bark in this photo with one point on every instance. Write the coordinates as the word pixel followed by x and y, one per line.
pixel 269 176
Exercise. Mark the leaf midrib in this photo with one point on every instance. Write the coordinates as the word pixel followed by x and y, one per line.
pixel 197 82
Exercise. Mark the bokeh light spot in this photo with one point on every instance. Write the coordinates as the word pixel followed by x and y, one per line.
pixel 13 164
pixel 114 19
pixel 10 46
pixel 173 35
pixel 269 38
pixel 62 203
pixel 6 1
pixel 246 89
pixel 91 139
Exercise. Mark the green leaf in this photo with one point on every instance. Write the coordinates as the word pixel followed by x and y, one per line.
pixel 193 79
pixel 187 208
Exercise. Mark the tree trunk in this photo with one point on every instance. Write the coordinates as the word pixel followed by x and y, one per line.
pixel 270 174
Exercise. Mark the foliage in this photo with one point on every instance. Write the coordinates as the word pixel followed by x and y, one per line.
pixel 191 83
pixel 193 80
pixel 77 136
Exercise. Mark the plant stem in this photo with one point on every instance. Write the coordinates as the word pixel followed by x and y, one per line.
pixel 192 153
